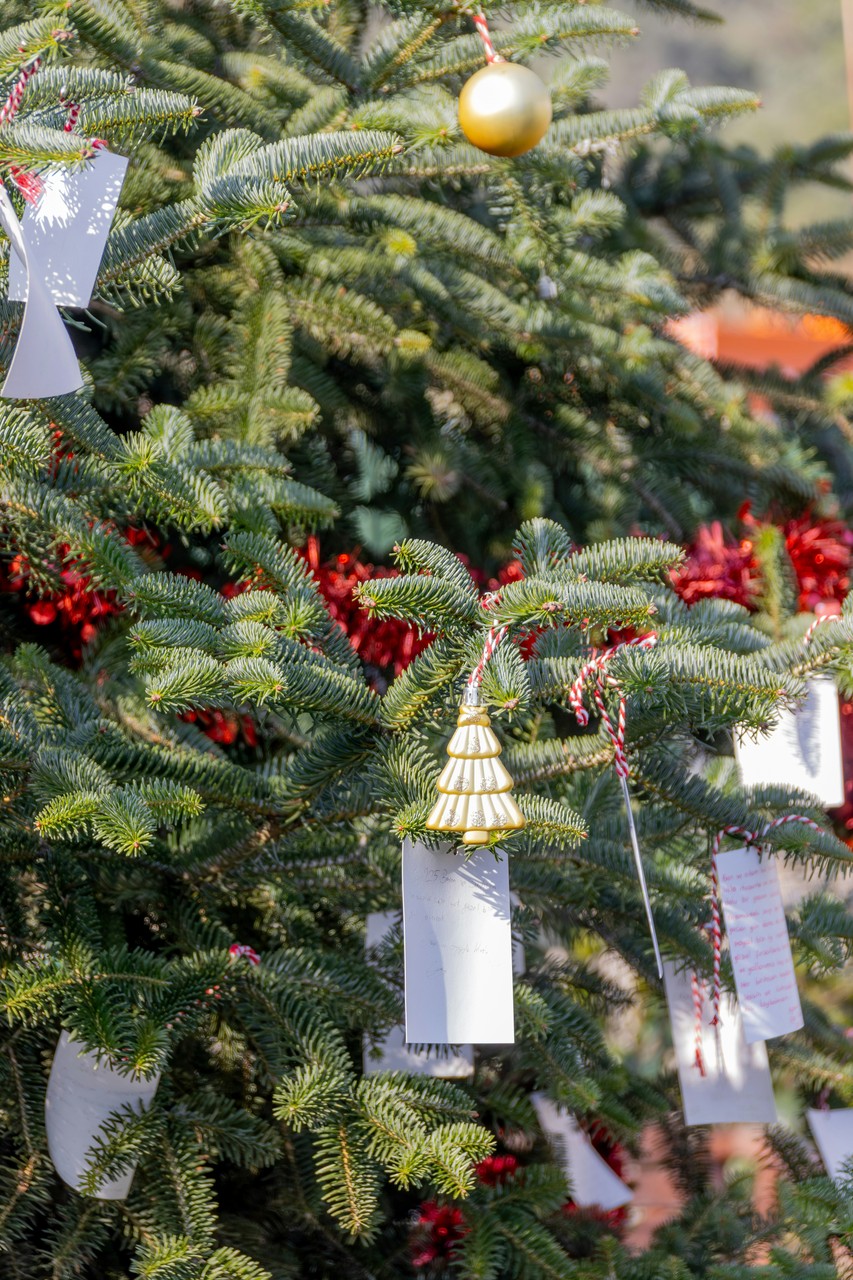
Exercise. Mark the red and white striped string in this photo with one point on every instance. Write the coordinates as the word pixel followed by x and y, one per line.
pixel 16 94
pixel 818 622
pixel 493 639
pixel 597 666
pixel 73 109
pixel 492 55
pixel 240 951
pixel 30 184
pixel 715 927
pixel 30 68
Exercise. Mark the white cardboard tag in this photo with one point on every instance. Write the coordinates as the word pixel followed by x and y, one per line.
pixel 81 1095
pixel 458 946
pixel 803 750
pixel 759 945
pixel 67 228
pixel 590 1177
pixel 44 363
pixel 391 1052
pixel 833 1134
pixel 736 1087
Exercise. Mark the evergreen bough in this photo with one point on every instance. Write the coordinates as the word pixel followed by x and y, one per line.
pixel 318 305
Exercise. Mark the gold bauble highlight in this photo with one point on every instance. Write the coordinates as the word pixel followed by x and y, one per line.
pixel 504 109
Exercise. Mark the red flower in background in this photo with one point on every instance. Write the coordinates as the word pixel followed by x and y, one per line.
pixel 436 1232
pixel 717 567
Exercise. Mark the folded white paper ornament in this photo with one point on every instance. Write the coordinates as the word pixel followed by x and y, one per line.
pixel 67 227
pixel 759 945
pixel 391 1052
pixel 82 1093
pixel 57 250
pixel 803 750
pixel 592 1181
pixel 833 1134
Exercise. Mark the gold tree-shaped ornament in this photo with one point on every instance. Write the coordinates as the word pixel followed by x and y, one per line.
pixel 474 787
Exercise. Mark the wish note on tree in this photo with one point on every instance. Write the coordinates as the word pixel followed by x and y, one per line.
pixel 82 1094
pixel 759 945
pixel 803 750
pixel 390 1052
pixel 734 1083
pixel 833 1135
pixel 590 1177
pixel 57 250
pixel 458 946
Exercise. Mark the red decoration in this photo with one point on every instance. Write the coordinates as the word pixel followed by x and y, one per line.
pixel 718 567
pixel 386 645
pixel 820 551
pixel 223 727
pixel 77 606
pixel 495 1170
pixel 436 1232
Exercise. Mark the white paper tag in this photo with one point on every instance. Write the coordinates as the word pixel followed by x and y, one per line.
pixel 590 1177
pixel 803 750
pixel 391 1053
pixel 458 946
pixel 82 1093
pixel 736 1086
pixel 44 363
pixel 67 229
pixel 833 1134
pixel 759 945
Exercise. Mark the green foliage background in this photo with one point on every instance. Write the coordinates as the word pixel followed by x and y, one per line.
pixel 320 309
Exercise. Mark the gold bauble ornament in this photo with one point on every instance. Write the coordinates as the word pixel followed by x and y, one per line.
pixel 504 109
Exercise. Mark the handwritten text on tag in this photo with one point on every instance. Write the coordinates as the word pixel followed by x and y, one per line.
pixel 759 945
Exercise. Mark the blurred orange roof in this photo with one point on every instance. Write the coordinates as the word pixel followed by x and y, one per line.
pixel 758 338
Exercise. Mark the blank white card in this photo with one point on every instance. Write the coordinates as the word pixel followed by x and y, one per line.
pixel 458 946
pixel 736 1086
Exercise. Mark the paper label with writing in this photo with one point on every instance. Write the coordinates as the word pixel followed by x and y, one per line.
pixel 833 1134
pixel 802 751
pixel 67 228
pixel 590 1177
pixel 736 1086
pixel 457 946
pixel 759 945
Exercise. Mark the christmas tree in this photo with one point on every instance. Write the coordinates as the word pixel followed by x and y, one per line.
pixel 320 307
